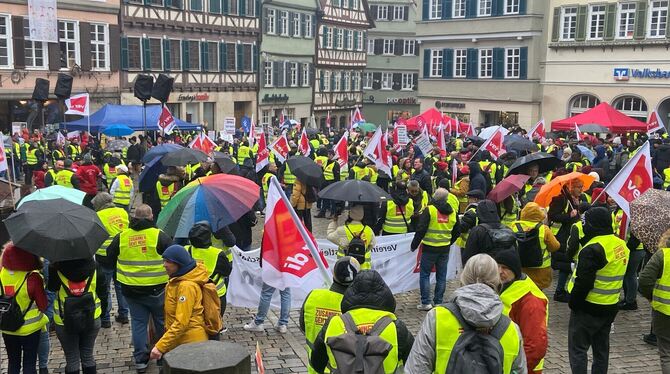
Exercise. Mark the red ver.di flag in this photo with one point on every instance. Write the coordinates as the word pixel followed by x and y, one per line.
pixel 78 105
pixel 654 123
pixel 286 259
pixel 166 122
pixel 494 144
pixel 263 156
pixel 633 180
pixel 280 148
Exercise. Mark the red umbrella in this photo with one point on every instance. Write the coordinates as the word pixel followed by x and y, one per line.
pixel 507 187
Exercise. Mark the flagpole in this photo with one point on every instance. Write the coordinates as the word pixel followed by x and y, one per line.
pixel 303 232
pixel 615 177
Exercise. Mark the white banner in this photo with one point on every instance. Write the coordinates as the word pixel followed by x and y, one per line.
pixel 42 20
pixel 391 257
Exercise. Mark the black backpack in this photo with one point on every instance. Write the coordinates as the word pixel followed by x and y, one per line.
pixel 502 238
pixel 528 242
pixel 11 316
pixel 78 311
pixel 356 247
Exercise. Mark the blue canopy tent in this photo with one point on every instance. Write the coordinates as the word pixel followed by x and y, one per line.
pixel 129 115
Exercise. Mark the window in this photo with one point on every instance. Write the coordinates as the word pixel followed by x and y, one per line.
pixel 512 6
pixel 485 63
pixel 156 55
pixel 383 12
pixel 459 9
pixel 350 40
pixel 371 46
pixel 597 22
pixel 460 63
pixel 389 44
pixel 329 37
pixel 355 4
pixel 387 81
pixel 436 63
pixel 308 26
pixel 99 47
pixel 272 27
pixel 357 81
pixel 134 54
pixel 569 23
pixel 361 36
pixel 326 80
pixel 626 20
pixel 435 7
pixel 68 38
pixel 265 117
pixel 399 13
pixel 267 69
pixel 194 55
pixel 347 81
pixel 512 62
pixel 407 81
pixel 231 57
pixel 5 41
pixel 582 103
pixel 283 18
pixel 293 74
pixel 305 75
pixel 367 80
pixel 658 18
pixel 409 47
pixel 484 8
pixel 212 56
pixel 155 2
pixel 36 54
pixel 336 81
pixel 196 5
pixel 175 55
pixel 208 114
pixel 340 39
pixel 632 106
pixel 296 25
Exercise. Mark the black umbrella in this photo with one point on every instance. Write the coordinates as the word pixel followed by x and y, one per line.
pixel 519 144
pixel 476 140
pixel 354 190
pixel 183 156
pixel 306 170
pixel 546 162
pixel 57 230
pixel 225 163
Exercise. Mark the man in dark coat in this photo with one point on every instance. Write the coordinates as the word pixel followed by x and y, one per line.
pixel 479 238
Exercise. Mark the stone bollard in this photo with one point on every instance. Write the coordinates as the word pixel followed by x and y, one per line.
pixel 208 357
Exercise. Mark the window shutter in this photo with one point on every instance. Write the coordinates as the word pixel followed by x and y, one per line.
pixel 425 9
pixel 242 8
pixel 582 11
pixel 523 63
pixel 426 63
pixel 405 13
pixel 300 69
pixel 497 8
pixel 257 8
pixel 85 45
pixel 556 27
pixel 470 8
pixel 446 8
pixel 416 48
pixel 166 55
pixel 397 81
pixel 18 41
pixel 204 56
pixel 254 58
pixel 471 71
pixel 53 49
pixel 356 46
pixel 498 63
pixel 313 27
pixel 265 20
pixel 124 53
pixel 324 37
pixel 373 12
pixel 376 81
pixel 240 57
pixel 114 47
pixel 321 81
pixel 168 3
pixel 146 50
pixel 379 46
pixel 303 28
pixel 398 47
pixel 332 81
pixel 223 57
pixel 215 6
pixel 291 29
pixel 281 72
pixel 346 39
pixel 640 20
pixel 610 22
pixel 343 80
pixel 415 81
pixel 275 73
pixel 225 6
pixel 185 55
pixel 522 6
pixel 447 63
pixel 278 24
pixel 336 38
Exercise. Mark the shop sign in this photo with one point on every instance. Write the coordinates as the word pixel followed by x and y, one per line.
pixel 446 104
pixel 193 97
pixel 624 74
pixel 275 98
pixel 401 100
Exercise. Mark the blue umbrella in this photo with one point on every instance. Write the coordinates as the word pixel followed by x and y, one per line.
pixel 117 129
pixel 160 150
pixel 586 152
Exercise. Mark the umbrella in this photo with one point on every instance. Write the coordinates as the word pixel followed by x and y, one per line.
pixel 546 162
pixel 160 150
pixel 225 163
pixel 312 131
pixel 489 131
pixel 594 128
pixel 117 130
pixel 519 144
pixel 508 186
pixel 306 170
pixel 57 230
pixel 586 152
pixel 553 188
pixel 650 217
pixel 355 191
pixel 367 127
pixel 183 156
pixel 117 144
pixel 220 199
pixel 476 140
pixel 55 192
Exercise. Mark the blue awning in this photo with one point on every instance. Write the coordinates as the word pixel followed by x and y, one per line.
pixel 129 115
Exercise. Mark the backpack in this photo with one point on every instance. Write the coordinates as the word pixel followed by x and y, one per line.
pixel 358 352
pixel 528 242
pixel 502 238
pixel 356 247
pixel 11 316
pixel 211 304
pixel 477 351
pixel 77 310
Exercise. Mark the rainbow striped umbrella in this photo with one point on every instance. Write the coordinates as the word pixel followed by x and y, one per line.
pixel 220 199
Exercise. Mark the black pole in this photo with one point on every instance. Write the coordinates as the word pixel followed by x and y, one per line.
pixel 144 116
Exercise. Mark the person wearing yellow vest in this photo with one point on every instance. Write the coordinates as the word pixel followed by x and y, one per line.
pixel 396 214
pixel 666 178
pixel 286 177
pixel 115 220
pixel 243 152
pixel 360 171
pixel 122 188
pixel 322 304
pixel 509 210
pixel 167 185
pixel 33 157
pixel 594 291
pixel 20 278
pixel 353 226
pixel 469 218
pixel 66 177
pixel 58 153
pixel 265 180
pixel 137 251
pixel 50 174
pixel 655 287
pixel 526 305
pixel 331 174
pixel 367 301
pixel 77 324
pixel 109 171
pixel 418 196
pixel 74 150
pixel 476 306
pixel 437 229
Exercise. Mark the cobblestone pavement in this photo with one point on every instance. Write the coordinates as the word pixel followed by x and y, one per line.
pixel 286 353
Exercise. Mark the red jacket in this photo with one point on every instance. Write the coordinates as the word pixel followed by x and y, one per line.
pixel 38 178
pixel 14 258
pixel 88 178
pixel 529 313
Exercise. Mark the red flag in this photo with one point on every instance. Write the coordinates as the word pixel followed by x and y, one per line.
pixel 441 143
pixel 280 147
pixel 538 131
pixel 654 123
pixel 376 151
pixel 78 104
pixel 166 122
pixel 495 145
pixel 203 143
pixel 634 179
pixel 341 150
pixel 263 156
pixel 421 123
pixel 287 259
pixel 578 133
pixel 471 129
pixel 303 145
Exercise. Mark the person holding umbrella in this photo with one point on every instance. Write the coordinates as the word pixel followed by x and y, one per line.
pixel 353 227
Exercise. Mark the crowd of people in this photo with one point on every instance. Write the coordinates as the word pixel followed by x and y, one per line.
pixel 509 252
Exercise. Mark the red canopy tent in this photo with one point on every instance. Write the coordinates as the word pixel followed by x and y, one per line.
pixel 603 114
pixel 430 117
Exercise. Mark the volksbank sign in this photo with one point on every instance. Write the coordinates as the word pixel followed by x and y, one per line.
pixel 624 74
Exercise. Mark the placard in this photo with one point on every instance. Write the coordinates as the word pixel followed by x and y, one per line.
pixel 229 125
pixel 403 138
pixel 43 21
pixel 424 144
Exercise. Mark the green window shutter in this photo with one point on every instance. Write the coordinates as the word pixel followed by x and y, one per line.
pixel 223 60
pixel 215 6
pixel 497 8
pixel 470 8
pixel 324 37
pixel 204 56
pixel 582 12
pixel 447 63
pixel 472 63
pixel 321 80
pixel 425 9
pixel 426 63
pixel 346 39
pixel 498 63
pixel 146 49
pixel 610 21
pixel 446 9
pixel 240 57
pixel 242 6
pixel 356 40
pixel 166 55
pixel 184 55
pixel 303 28
pixel 254 60
pixel 556 27
pixel 124 53
pixel 523 63
pixel 335 38
pixel 225 8
pixel 196 5
pixel 332 81
pixel 640 20
pixel 522 6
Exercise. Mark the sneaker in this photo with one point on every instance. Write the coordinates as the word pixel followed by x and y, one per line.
pixel 650 339
pixel 44 370
pixel 282 329
pixel 122 320
pixel 627 306
pixel 252 326
pixel 562 297
pixel 424 307
pixel 141 367
pixel 106 324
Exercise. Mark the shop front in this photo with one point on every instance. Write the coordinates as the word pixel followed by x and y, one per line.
pixel 384 109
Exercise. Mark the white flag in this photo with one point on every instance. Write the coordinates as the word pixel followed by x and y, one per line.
pixel 3 155
pixel 78 104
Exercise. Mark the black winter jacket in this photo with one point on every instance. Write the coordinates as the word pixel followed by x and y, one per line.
pixel 479 240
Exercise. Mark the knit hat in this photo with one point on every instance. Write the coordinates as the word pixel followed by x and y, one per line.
pixel 509 258
pixel 597 194
pixel 102 200
pixel 598 220
pixel 345 270
pixel 180 256
pixel 356 212
pixel 477 194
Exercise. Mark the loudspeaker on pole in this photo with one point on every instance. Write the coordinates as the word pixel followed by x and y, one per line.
pixel 143 87
pixel 41 91
pixel 63 88
pixel 162 88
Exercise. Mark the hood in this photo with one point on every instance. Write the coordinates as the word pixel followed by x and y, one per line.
pixel 475 169
pixel 368 290
pixel 533 213
pixel 664 147
pixel 487 211
pixel 479 304
pixel 138 224
pixel 443 206
pixel 198 275
pixel 167 179
pixel 15 258
pixel 102 201
pixel 76 270
pixel 200 235
pixel 400 197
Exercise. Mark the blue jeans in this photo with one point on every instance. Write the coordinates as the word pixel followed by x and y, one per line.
pixel 288 190
pixel 630 282
pixel 140 310
pixel 44 344
pixel 562 281
pixel 428 260
pixel 105 276
pixel 264 305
